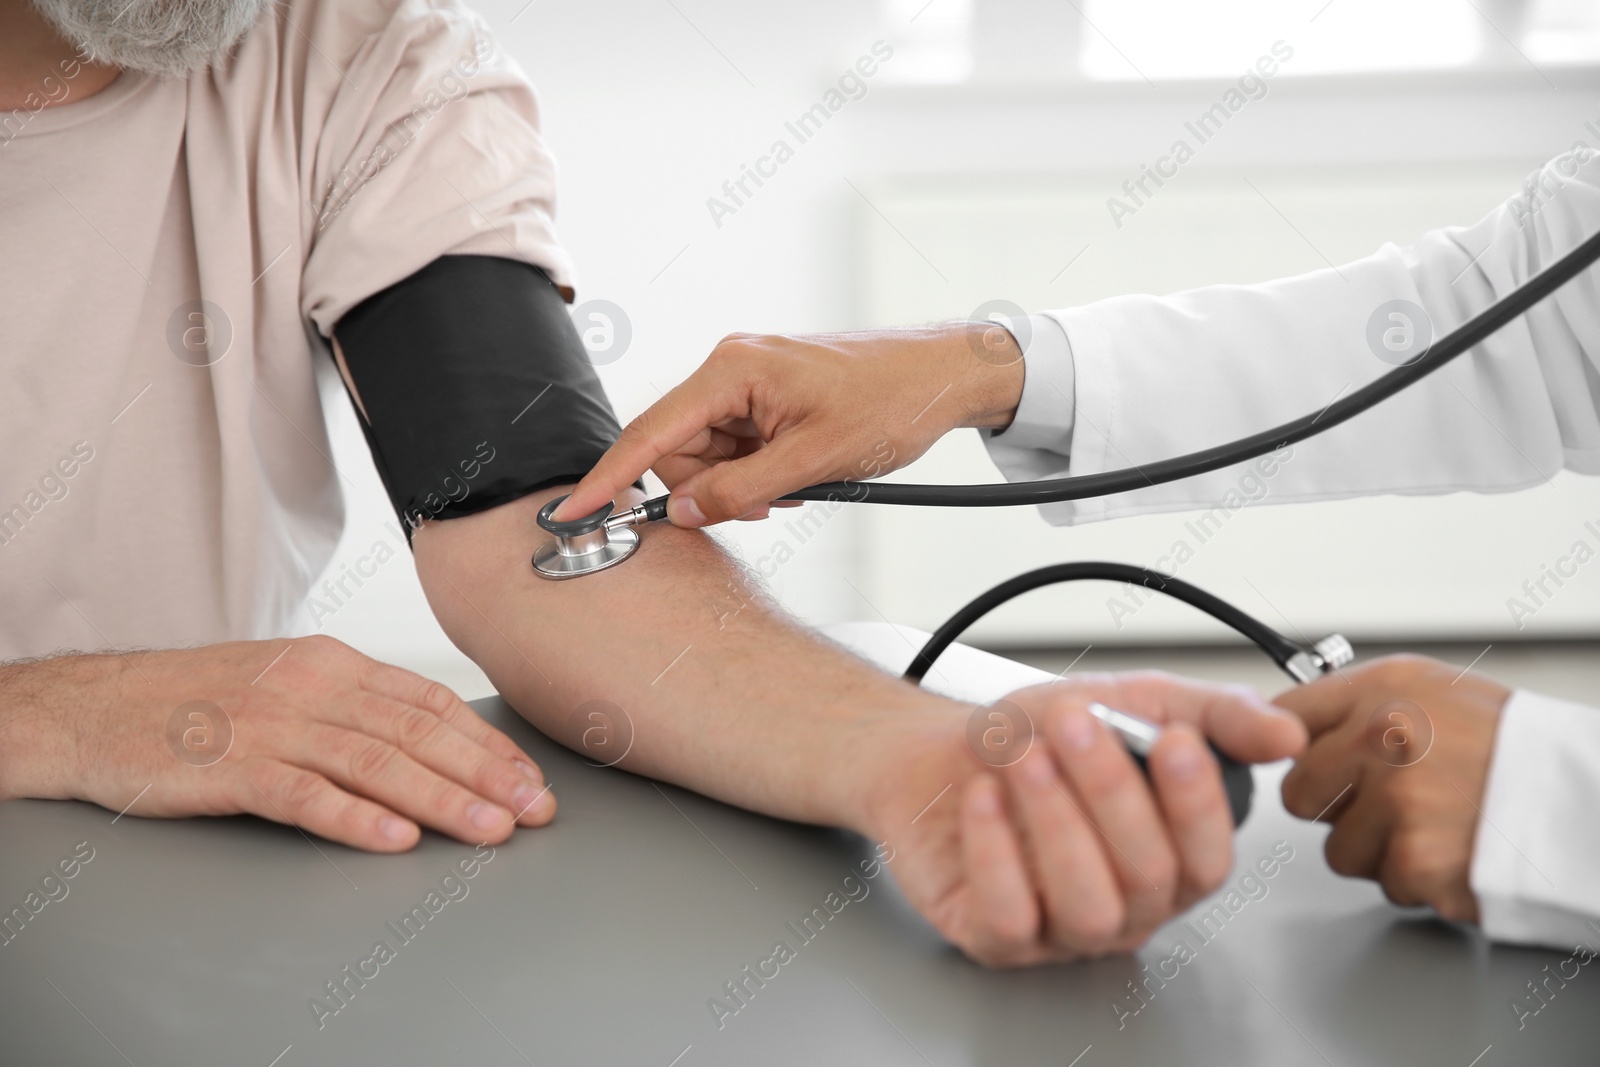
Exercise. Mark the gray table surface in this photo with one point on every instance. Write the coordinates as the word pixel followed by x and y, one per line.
pixel 602 938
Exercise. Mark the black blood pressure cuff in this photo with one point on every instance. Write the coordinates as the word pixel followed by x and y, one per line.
pixel 476 387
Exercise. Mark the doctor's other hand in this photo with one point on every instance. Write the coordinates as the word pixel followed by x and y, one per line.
pixel 1398 763
pixel 305 731
pixel 766 415
pixel 1058 847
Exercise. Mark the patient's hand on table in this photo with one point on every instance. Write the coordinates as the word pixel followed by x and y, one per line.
pixel 1398 762
pixel 313 733
pixel 1069 852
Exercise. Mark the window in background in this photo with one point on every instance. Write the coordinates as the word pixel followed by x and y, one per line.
pixel 953 41
pixel 1165 39
pixel 1563 31
pixel 933 41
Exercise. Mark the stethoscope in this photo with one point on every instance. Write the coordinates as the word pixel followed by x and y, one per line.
pixel 604 539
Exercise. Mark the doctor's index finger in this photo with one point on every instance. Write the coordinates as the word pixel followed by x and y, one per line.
pixel 1321 704
pixel 754 478
pixel 682 414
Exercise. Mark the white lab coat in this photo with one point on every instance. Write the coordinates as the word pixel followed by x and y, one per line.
pixel 1139 378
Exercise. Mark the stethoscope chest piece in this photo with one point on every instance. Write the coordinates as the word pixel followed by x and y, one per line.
pixel 581 546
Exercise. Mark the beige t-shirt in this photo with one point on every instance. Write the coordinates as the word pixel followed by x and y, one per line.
pixel 171 249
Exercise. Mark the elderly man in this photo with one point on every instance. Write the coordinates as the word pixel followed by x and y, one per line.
pixel 198 196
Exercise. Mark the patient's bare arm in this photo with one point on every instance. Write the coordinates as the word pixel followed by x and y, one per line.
pixel 725 694
pixel 1068 852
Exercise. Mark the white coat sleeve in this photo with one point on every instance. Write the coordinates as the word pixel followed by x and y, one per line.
pixel 1153 377
pixel 1536 857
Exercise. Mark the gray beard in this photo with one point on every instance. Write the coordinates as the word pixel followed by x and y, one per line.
pixel 153 36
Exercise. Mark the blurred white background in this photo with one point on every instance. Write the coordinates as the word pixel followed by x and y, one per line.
pixel 976 166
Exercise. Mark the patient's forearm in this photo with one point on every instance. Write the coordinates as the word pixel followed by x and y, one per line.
pixel 725 695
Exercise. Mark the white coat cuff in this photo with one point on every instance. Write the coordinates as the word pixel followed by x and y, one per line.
pixel 1040 435
pixel 1535 868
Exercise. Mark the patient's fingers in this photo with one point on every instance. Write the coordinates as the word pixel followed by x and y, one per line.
pixel 1003 918
pixel 1189 787
pixel 308 801
pixel 375 770
pixel 397 683
pixel 1084 904
pixel 1117 802
pixel 1236 718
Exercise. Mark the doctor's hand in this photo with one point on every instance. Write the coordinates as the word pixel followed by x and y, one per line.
pixel 1398 763
pixel 766 415
pixel 307 731
pixel 1067 851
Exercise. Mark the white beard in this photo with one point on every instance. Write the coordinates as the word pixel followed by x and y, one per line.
pixel 153 36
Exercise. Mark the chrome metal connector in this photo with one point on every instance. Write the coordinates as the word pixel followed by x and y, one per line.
pixel 1335 651
pixel 1326 656
pixel 636 516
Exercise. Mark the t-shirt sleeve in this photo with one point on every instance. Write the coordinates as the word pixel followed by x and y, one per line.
pixel 428 145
